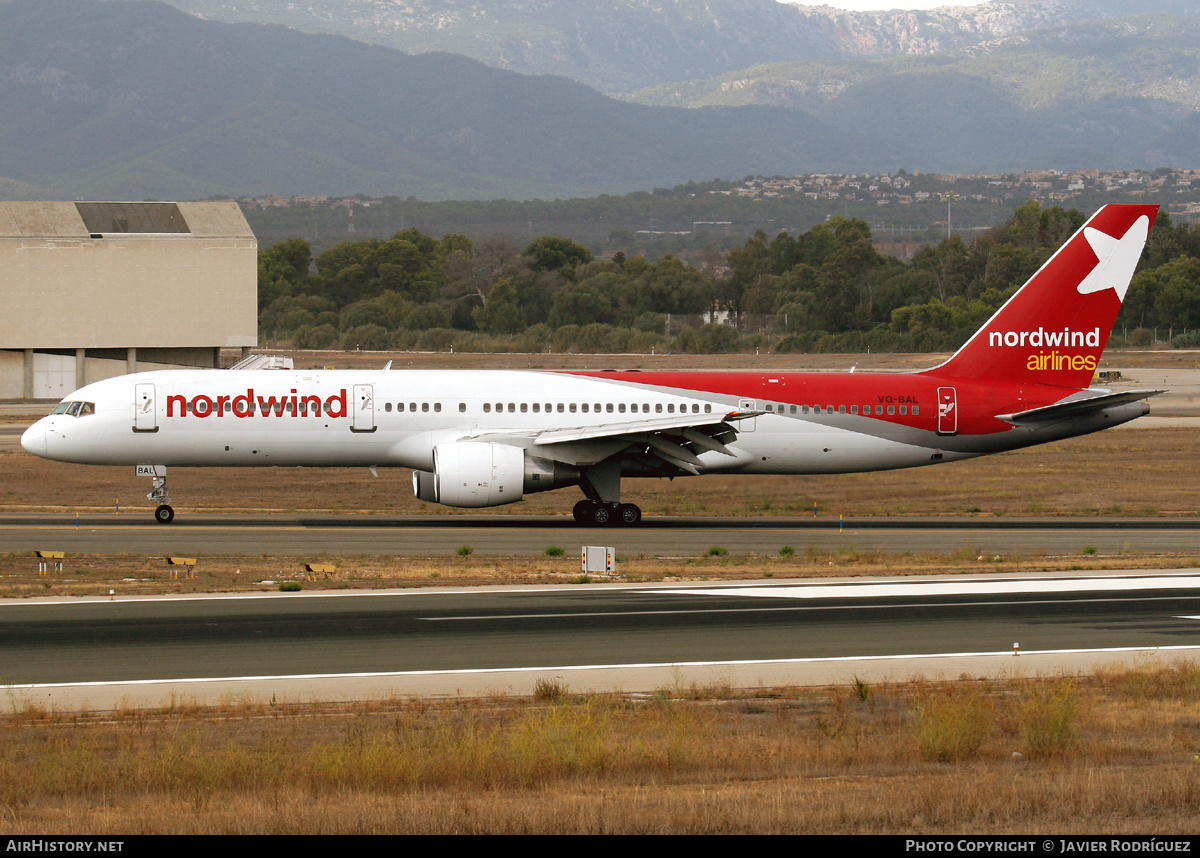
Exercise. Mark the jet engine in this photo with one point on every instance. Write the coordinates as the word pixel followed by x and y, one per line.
pixel 478 474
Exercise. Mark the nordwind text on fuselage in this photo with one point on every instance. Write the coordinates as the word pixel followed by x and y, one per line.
pixel 250 405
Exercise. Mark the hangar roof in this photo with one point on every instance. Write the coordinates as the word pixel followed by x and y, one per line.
pixel 54 219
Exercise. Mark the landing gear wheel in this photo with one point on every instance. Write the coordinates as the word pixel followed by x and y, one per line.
pixel 604 515
pixel 583 511
pixel 629 514
pixel 164 514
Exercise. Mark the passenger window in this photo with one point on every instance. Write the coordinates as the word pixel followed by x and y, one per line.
pixel 658 408
pixel 462 406
pixel 903 409
pixel 792 408
pixel 487 408
pixel 670 407
pixel 424 406
pixel 853 409
pixel 584 407
pixel 707 408
pixel 841 409
pixel 609 408
pixel 572 407
pixel 412 406
pixel 437 406
pixel 537 407
pixel 621 407
pixel 916 409
pixel 387 406
pixel 561 408
pixel 524 407
pixel 891 409
pixel 878 409
pixel 512 407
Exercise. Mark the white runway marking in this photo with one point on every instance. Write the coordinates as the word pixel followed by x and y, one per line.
pixel 580 667
pixel 952 588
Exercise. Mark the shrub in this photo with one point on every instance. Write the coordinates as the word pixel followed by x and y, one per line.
pixel 951 725
pixel 1048 718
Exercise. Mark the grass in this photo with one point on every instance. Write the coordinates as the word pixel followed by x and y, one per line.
pixel 1060 479
pixel 128 574
pixel 1109 753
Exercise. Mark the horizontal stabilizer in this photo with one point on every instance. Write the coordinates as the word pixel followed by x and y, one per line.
pixel 1076 407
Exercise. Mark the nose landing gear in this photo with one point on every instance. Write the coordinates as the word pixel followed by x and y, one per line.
pixel 163 513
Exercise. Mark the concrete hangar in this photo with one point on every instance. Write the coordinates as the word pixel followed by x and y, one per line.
pixel 90 290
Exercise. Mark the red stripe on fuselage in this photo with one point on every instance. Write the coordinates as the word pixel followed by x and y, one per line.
pixel 978 402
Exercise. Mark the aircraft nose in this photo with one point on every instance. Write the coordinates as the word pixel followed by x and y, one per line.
pixel 34 439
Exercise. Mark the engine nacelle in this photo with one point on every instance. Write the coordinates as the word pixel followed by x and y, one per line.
pixel 477 474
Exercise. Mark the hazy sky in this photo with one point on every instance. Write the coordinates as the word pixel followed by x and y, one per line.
pixel 877 5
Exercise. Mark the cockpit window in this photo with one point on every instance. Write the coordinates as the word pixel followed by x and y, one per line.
pixel 75 409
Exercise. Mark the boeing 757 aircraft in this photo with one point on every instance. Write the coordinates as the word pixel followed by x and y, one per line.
pixel 486 438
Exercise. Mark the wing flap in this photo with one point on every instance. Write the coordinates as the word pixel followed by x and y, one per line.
pixel 638 427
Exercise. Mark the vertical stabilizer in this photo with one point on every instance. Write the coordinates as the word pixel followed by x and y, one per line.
pixel 1054 329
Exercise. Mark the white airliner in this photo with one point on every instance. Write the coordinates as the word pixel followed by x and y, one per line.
pixel 486 438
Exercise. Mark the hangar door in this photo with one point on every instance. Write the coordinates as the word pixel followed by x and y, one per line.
pixel 53 375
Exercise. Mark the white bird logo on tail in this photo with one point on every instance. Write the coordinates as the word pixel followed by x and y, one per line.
pixel 1117 258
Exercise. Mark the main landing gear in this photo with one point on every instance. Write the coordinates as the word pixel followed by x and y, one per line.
pixel 602 507
pixel 607 514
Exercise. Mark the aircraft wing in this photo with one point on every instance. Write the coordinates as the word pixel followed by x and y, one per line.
pixel 676 440
pixel 1075 407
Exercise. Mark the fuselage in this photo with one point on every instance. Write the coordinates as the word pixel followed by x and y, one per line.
pixel 803 423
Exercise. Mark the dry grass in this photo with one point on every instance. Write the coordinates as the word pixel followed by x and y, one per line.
pixel 1125 472
pixel 1114 753
pixel 130 574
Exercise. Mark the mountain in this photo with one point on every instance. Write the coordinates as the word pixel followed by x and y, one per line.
pixel 1111 93
pixel 137 99
pixel 619 46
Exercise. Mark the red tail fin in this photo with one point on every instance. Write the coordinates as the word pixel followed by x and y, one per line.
pixel 1054 329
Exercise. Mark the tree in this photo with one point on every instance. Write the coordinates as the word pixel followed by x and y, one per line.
pixel 555 253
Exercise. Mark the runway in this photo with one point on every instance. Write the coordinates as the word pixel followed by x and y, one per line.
pixel 514 535
pixel 628 637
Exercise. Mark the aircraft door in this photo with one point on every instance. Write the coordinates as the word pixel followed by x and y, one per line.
pixel 748 424
pixel 363 417
pixel 145 411
pixel 947 416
